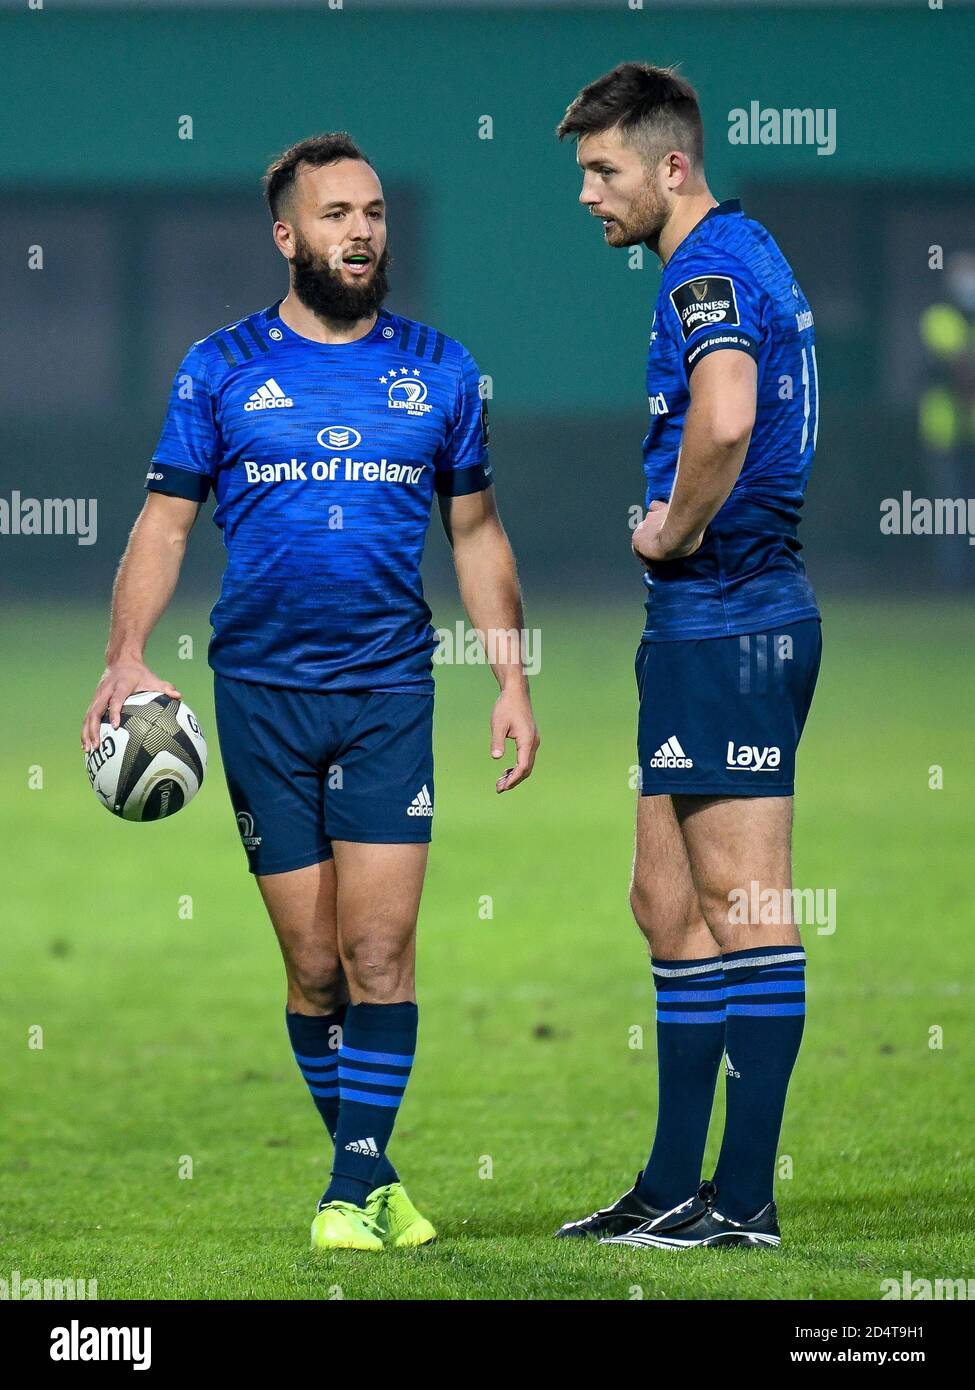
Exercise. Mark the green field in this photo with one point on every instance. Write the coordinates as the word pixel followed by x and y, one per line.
pixel 164 1037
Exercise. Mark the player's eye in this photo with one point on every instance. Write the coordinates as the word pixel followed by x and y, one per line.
pixel 376 215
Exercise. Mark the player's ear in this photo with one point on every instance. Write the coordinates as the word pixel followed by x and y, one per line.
pixel 677 168
pixel 283 237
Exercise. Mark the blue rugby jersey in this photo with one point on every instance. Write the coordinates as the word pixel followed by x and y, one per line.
pixel 728 286
pixel 324 460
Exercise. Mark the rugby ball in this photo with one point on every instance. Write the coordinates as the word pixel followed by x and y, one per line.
pixel 153 764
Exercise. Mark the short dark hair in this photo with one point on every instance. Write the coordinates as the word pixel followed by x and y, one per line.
pixel 279 177
pixel 653 106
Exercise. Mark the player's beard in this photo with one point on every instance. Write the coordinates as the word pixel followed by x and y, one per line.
pixel 322 289
pixel 645 219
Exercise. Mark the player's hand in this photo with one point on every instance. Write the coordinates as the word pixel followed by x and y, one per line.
pixel 512 718
pixel 644 540
pixel 120 681
pixel 647 544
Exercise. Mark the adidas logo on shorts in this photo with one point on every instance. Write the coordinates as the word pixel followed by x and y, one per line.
pixel 267 397
pixel 670 754
pixel 366 1147
pixel 422 803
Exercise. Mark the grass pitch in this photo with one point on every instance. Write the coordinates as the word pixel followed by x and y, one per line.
pixel 164 1050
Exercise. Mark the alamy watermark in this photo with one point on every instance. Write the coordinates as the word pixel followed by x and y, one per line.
pixel 756 906
pixel 81 1343
pixel 500 646
pixel 927 1290
pixel 908 515
pixel 792 125
pixel 17 1289
pixel 50 516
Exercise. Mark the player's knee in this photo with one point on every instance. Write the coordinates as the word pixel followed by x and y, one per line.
pixel 672 930
pixel 320 982
pixel 647 911
pixel 715 905
pixel 379 970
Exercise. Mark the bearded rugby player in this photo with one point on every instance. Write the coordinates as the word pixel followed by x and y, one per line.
pixel 727 664
pixel 325 425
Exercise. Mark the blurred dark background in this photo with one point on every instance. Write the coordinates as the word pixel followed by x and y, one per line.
pixel 150 241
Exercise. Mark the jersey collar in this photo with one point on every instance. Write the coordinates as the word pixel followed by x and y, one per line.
pixel 271 313
pixel 730 205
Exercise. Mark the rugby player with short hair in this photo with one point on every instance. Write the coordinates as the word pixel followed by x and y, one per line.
pixel 325 425
pixel 728 660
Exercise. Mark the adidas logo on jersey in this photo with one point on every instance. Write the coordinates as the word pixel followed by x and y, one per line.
pixel 422 803
pixel 268 397
pixel 366 1147
pixel 729 1067
pixel 670 754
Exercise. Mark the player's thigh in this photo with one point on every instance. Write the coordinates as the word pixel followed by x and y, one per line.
pixel 740 853
pixel 662 892
pixel 380 788
pixel 378 814
pixel 269 740
pixel 302 907
pixel 378 894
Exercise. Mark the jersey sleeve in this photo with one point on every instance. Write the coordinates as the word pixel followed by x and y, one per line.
pixel 184 461
pixel 462 465
pixel 715 303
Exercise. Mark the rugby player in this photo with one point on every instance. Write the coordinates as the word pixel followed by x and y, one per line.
pixel 325 425
pixel 727 664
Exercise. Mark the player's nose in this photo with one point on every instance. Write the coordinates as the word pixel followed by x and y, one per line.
pixel 361 229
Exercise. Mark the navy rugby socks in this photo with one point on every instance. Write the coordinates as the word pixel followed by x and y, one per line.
pixel 690 1041
pixel 315 1040
pixel 766 1006
pixel 375 1057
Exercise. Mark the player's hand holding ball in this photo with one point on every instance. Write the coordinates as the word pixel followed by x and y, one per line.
pixel 121 679
pixel 145 752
